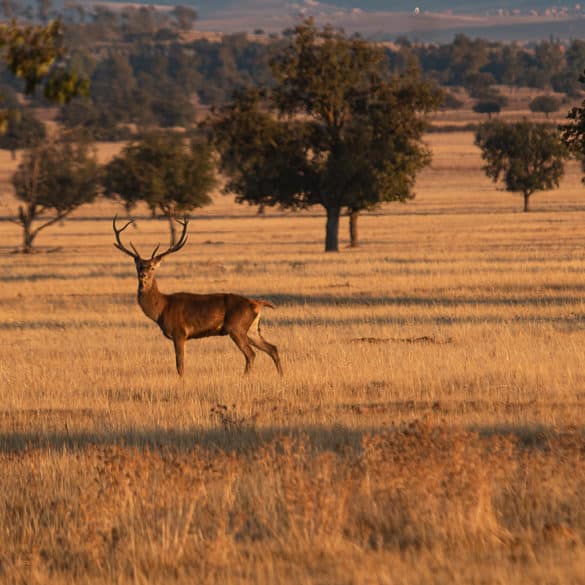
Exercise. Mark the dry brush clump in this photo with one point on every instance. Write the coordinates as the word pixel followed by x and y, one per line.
pixel 418 497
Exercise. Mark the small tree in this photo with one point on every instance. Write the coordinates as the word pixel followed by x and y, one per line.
pixel 169 175
pixel 479 84
pixel 55 179
pixel 545 104
pixel 528 157
pixel 24 130
pixel 489 107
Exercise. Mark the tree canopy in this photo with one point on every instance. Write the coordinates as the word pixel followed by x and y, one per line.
pixel 488 107
pixel 573 133
pixel 528 157
pixel 36 55
pixel 546 104
pixel 54 177
pixel 264 161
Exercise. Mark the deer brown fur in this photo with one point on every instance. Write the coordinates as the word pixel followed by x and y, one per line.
pixel 182 316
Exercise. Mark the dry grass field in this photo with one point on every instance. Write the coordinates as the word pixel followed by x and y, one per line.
pixel 430 426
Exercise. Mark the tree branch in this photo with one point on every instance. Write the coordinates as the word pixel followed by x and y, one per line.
pixel 55 219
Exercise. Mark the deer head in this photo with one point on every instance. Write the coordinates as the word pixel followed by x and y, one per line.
pixel 145 267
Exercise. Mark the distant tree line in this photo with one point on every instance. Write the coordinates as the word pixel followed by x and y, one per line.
pixel 146 71
pixel 155 83
pixel 477 64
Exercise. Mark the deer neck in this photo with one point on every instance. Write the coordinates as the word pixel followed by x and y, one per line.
pixel 151 300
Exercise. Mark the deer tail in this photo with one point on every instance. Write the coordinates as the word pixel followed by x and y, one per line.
pixel 264 303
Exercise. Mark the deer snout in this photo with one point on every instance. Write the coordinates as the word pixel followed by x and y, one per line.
pixel 144 278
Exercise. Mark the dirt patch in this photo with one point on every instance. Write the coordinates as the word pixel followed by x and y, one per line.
pixel 421 339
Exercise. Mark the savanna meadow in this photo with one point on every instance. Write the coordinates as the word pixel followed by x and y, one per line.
pixel 429 423
pixel 428 427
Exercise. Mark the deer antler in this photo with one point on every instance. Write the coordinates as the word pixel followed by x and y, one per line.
pixel 178 244
pixel 118 242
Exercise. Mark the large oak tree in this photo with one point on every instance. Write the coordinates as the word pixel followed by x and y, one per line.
pixel 336 130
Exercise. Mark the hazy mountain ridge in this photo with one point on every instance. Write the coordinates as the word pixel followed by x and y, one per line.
pixel 213 8
pixel 461 6
pixel 434 21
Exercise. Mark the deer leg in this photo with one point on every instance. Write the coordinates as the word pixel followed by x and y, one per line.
pixel 260 343
pixel 255 338
pixel 244 346
pixel 180 354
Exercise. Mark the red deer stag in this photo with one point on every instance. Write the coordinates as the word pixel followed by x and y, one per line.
pixel 182 316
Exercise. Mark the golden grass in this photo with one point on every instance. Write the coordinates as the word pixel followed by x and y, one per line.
pixel 429 427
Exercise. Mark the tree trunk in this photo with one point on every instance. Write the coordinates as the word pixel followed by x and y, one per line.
pixel 25 218
pixel 28 237
pixel 332 233
pixel 353 228
pixel 526 197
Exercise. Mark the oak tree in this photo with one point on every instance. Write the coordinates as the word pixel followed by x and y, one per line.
pixel 528 157
pixel 336 130
pixel 53 180
pixel 170 174
pixel 546 104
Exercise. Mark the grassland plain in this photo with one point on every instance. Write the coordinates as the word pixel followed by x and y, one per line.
pixel 429 427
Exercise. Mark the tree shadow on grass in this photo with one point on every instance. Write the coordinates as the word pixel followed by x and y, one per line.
pixel 242 439
pixel 569 322
pixel 336 300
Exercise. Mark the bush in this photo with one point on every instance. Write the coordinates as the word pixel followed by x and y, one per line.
pixel 545 104
pixel 488 107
